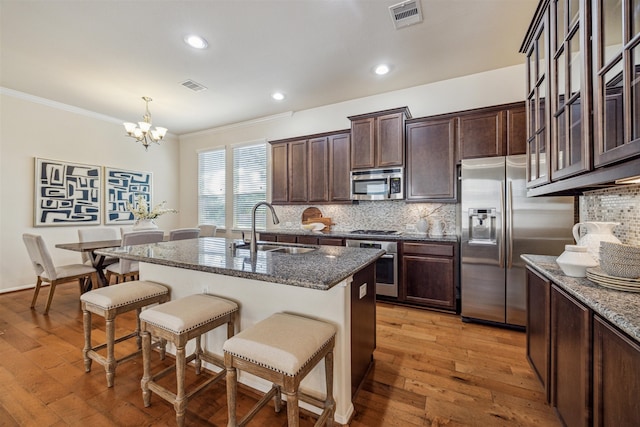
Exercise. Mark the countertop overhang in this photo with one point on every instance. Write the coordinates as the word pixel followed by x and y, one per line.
pixel 618 307
pixel 320 269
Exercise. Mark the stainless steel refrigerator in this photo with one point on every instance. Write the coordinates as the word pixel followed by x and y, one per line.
pixel 498 224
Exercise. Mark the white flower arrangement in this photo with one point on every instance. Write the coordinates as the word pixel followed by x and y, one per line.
pixel 141 210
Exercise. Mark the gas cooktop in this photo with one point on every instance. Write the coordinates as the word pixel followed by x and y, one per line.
pixel 379 232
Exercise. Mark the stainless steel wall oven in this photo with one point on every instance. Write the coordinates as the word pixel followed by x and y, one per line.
pixel 386 266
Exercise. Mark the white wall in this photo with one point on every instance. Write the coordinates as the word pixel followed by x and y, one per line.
pixel 479 90
pixel 30 128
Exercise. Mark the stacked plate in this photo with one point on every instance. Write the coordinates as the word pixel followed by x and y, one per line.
pixel 595 274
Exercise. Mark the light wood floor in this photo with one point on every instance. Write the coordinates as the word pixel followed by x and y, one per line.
pixel 430 370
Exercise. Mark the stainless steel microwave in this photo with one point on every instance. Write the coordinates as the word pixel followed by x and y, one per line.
pixel 377 184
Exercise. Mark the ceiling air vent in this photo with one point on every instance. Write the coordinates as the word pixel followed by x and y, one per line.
pixel 406 13
pixel 196 87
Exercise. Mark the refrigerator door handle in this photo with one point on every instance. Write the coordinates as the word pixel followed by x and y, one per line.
pixel 509 221
pixel 502 221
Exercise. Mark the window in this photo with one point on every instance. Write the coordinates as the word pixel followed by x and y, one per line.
pixel 247 169
pixel 249 184
pixel 211 187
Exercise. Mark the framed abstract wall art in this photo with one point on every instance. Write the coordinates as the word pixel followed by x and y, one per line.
pixel 122 187
pixel 66 193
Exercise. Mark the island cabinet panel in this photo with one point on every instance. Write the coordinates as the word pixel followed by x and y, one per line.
pixel 339 167
pixel 429 275
pixel 431 160
pixel 318 170
pixel 570 359
pixel 279 173
pixel 363 325
pixel 616 383
pixel 298 167
pixel 377 139
pixel 539 326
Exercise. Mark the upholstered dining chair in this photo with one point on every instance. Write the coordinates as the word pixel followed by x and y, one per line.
pixel 126 229
pixel 125 268
pixel 184 233
pixel 207 230
pixel 48 272
pixel 97 234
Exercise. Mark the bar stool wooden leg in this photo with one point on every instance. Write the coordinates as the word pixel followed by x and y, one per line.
pixel 232 389
pixel 111 360
pixel 329 401
pixel 180 402
pixel 86 319
pixel 293 411
pixel 146 368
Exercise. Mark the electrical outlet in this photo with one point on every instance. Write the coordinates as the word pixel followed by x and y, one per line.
pixel 363 290
pixel 411 227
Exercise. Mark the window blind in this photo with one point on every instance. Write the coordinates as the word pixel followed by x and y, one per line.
pixel 211 187
pixel 249 184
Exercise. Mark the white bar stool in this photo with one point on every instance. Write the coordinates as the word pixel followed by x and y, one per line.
pixel 109 302
pixel 178 321
pixel 282 349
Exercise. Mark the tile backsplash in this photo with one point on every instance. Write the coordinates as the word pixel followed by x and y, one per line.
pixel 617 204
pixel 380 215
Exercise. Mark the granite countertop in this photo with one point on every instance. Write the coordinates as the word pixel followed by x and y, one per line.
pixel 320 269
pixel 618 307
pixel 446 238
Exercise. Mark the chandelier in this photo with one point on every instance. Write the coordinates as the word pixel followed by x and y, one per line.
pixel 142 132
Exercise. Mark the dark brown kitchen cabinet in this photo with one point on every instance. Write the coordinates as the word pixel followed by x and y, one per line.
pixel 298 169
pixel 539 327
pixel 481 135
pixel 429 275
pixel 311 169
pixel 616 383
pixel 431 160
pixel 279 173
pixel 377 139
pixel 302 239
pixel 318 169
pixel 492 131
pixel 266 237
pixel 569 107
pixel 570 359
pixel 339 167
pixel 616 72
pixel 583 97
pixel 537 50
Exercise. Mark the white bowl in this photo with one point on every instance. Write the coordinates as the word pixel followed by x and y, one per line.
pixel 314 226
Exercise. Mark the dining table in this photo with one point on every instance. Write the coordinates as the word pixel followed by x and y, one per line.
pixel 98 261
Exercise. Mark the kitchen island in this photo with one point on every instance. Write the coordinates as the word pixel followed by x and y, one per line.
pixel 334 284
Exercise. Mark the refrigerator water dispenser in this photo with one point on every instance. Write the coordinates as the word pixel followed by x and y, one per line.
pixel 482 226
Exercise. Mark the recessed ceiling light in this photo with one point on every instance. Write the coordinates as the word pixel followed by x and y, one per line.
pixel 196 42
pixel 278 96
pixel 381 69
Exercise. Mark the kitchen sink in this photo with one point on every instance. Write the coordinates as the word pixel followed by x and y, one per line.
pixel 293 250
pixel 266 247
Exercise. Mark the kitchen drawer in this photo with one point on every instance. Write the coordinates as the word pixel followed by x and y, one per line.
pixel 428 249
pixel 308 240
pixel 330 241
pixel 285 238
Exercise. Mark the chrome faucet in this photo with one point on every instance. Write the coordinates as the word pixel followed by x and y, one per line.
pixel 253 247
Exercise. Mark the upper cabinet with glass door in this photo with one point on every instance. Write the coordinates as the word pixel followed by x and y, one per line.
pixel 616 88
pixel 570 87
pixel 537 92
